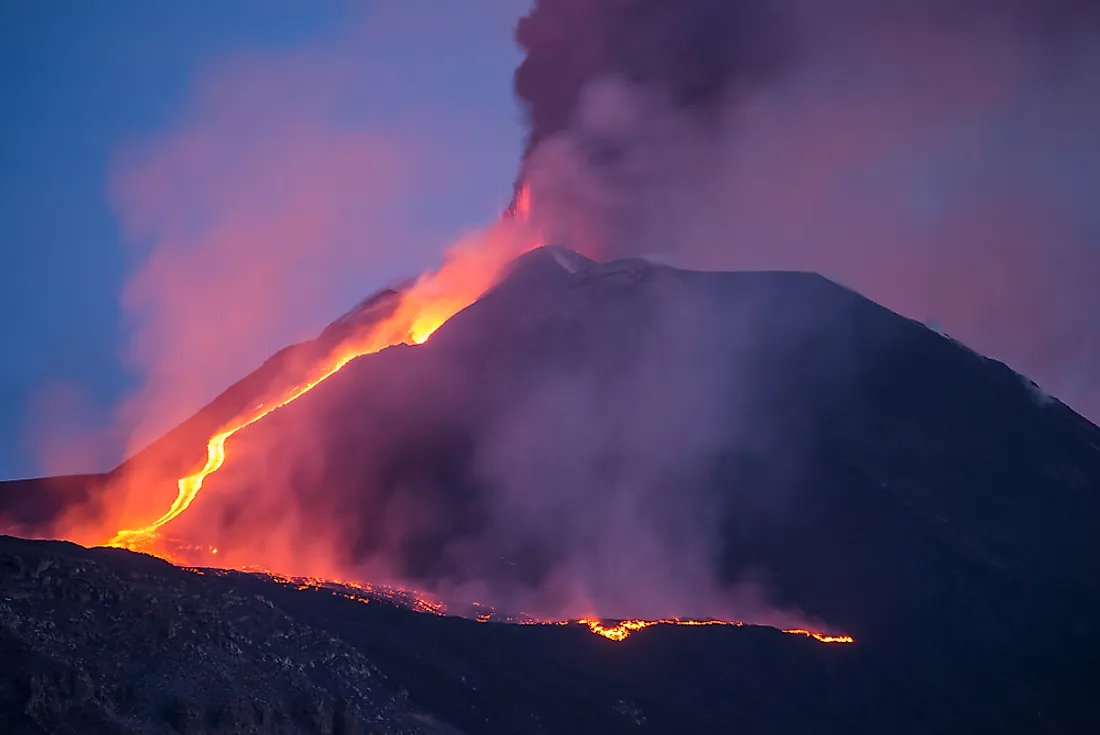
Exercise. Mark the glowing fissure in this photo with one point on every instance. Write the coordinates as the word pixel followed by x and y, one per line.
pixel 622 629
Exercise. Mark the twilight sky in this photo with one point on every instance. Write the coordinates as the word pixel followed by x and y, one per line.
pixel 141 150
pixel 184 193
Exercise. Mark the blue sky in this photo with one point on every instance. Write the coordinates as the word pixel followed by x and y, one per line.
pixel 84 86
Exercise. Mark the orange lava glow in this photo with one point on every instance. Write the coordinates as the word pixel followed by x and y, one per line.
pixel 144 537
pixel 419 602
pixel 622 629
pixel 619 631
pixel 821 636
pixel 470 269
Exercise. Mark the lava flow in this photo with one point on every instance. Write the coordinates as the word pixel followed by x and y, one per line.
pixel 143 538
pixel 622 629
pixel 469 270
pixel 420 602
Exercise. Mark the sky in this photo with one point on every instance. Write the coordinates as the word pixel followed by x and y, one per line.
pixel 104 104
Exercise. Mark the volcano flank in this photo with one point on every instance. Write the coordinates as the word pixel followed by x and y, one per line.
pixel 632 440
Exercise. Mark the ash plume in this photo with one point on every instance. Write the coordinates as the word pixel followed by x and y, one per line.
pixel 939 157
pixel 697 52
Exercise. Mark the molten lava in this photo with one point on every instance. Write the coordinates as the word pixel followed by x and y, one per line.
pixel 470 269
pixel 821 636
pixel 143 538
pixel 618 631
pixel 621 630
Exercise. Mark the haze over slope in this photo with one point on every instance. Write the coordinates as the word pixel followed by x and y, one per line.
pixel 939 156
pixel 633 440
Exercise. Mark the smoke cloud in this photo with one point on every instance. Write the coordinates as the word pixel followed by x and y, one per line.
pixel 279 197
pixel 938 157
pixel 288 185
pixel 601 460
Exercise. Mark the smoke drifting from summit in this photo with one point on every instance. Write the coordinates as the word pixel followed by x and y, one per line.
pixel 696 52
pixel 940 157
pixel 935 157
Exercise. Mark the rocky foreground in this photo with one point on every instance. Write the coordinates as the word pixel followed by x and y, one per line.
pixel 112 642
pixel 107 641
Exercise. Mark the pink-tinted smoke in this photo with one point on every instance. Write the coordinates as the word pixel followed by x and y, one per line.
pixel 290 185
pixel 940 159
pixel 244 212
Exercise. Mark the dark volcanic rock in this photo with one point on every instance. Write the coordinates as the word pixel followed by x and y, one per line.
pixel 110 641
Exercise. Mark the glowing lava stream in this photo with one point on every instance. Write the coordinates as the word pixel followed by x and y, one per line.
pixel 190 485
pixel 433 300
pixel 622 629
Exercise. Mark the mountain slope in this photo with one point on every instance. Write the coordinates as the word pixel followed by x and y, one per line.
pixel 648 441
pixel 842 447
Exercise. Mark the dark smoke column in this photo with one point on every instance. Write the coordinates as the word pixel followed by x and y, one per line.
pixel 694 53
pixel 699 55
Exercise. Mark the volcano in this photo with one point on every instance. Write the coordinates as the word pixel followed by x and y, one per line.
pixel 629 439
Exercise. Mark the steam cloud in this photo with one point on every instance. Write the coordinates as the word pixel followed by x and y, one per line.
pixel 939 157
pixel 279 194
pixel 552 450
